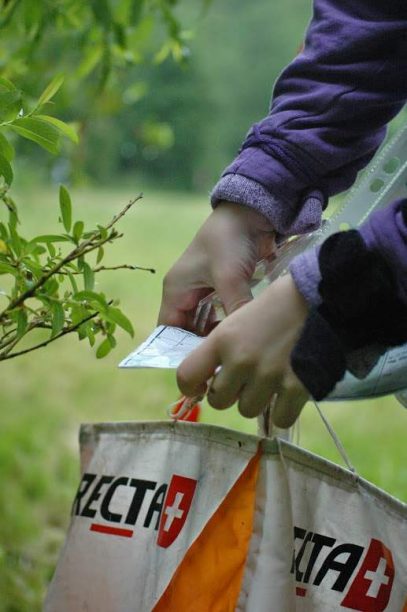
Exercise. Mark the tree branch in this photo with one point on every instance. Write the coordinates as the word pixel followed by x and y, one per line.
pixel 64 332
pixel 120 267
pixel 85 247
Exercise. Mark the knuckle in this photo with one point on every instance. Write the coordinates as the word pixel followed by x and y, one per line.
pixel 244 359
pixel 293 388
pixel 266 377
pixel 168 280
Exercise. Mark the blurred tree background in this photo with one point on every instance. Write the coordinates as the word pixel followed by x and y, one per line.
pixel 141 115
pixel 161 93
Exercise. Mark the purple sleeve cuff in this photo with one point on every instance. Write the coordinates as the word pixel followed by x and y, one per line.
pixel 384 231
pixel 306 275
pixel 286 220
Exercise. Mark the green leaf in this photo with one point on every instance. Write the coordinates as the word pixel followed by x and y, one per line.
pixel 15 241
pixel 110 327
pixel 104 348
pixel 51 249
pixel 120 35
pixel 112 340
pixel 51 286
pixel 34 267
pixel 6 148
pixel 5 268
pixel 90 334
pixel 66 207
pixel 78 230
pixel 22 322
pixel 100 255
pixel 47 136
pixel 6 84
pixel 78 313
pixel 64 128
pixel 51 89
pixel 49 238
pixel 88 277
pixel 116 316
pixel 12 211
pixel 103 232
pixel 58 318
pixel 10 104
pixel 33 13
pixel 36 249
pixel 136 11
pixel 3 231
pixel 101 10
pixel 6 170
pixel 91 297
pixel 73 282
pixel 91 57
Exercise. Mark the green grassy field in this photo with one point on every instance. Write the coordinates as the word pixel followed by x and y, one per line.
pixel 47 394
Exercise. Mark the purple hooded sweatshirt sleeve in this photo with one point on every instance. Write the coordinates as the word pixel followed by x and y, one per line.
pixel 384 231
pixel 328 114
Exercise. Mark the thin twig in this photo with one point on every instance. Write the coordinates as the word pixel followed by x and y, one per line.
pixel 8 346
pixel 120 267
pixel 124 211
pixel 64 332
pixel 84 248
pixel 124 267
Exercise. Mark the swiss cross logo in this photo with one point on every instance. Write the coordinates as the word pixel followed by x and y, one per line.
pixel 363 576
pixel 176 507
pixel 370 590
pixel 118 505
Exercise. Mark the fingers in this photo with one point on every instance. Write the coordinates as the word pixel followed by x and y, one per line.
pixel 225 387
pixel 290 401
pixel 179 303
pixel 170 311
pixel 256 395
pixel 171 315
pixel 234 292
pixel 197 369
pixel 231 384
pixel 291 398
pixel 266 245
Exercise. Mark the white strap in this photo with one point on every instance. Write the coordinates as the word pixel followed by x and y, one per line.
pixel 335 438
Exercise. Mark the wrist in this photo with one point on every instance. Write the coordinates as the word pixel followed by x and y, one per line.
pixel 252 219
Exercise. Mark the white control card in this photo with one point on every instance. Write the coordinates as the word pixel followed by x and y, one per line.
pixel 166 347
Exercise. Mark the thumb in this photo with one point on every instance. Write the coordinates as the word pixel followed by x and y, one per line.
pixel 234 293
pixel 197 369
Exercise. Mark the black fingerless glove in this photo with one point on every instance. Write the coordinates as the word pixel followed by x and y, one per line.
pixel 360 307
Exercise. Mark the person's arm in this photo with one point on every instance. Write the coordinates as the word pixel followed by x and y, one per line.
pixel 356 288
pixel 328 114
pixel 280 344
pixel 327 118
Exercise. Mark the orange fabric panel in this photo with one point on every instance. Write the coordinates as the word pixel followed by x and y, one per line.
pixel 209 577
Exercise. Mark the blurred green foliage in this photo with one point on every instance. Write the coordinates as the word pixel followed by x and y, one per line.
pixel 40 275
pixel 98 40
pixel 138 113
